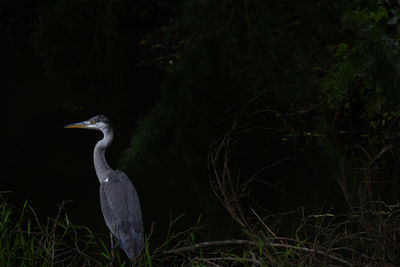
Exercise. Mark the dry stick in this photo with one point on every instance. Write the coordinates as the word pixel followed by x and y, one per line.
pixel 254 261
pixel 252 243
pixel 312 250
pixel 210 243
pixel 383 151
pixel 265 168
pixel 175 237
pixel 224 180
pixel 371 160
pixel 209 262
pixel 266 227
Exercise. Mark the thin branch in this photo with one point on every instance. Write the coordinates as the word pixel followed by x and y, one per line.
pixel 266 227
pixel 254 261
pixel 253 243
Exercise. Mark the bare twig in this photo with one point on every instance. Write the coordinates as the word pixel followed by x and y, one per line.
pixel 266 227
pixel 253 243
pixel 383 151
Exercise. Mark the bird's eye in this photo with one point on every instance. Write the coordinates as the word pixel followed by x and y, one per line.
pixel 92 122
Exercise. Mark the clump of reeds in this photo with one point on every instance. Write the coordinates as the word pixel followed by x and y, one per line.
pixel 26 240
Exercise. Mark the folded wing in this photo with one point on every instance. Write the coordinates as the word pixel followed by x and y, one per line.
pixel 122 212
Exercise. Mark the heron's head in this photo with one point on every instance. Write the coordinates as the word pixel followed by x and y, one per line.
pixel 98 122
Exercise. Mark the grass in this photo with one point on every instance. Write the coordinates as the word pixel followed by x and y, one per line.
pixel 25 240
pixel 368 236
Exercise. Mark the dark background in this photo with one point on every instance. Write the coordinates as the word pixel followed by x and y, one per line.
pixel 315 84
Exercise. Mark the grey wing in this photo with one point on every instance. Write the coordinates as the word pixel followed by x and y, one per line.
pixel 122 213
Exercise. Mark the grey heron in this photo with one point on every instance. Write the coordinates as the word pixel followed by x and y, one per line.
pixel 119 201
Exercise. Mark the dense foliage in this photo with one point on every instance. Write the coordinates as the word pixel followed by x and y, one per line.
pixel 328 70
pixel 302 97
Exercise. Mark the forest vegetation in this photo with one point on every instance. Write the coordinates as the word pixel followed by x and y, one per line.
pixel 284 115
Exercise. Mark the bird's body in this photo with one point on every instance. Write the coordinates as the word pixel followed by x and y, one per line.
pixel 118 198
pixel 119 203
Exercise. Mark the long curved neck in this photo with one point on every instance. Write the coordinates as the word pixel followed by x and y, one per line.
pixel 99 155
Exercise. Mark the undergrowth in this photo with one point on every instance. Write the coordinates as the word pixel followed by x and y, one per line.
pixel 26 240
pixel 367 236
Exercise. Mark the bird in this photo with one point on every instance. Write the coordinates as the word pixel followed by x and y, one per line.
pixel 118 197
